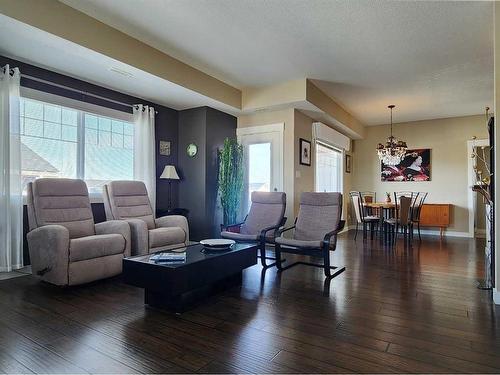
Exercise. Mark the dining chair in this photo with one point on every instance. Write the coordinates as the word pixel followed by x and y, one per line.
pixel 411 194
pixel 403 217
pixel 369 197
pixel 363 217
pixel 417 209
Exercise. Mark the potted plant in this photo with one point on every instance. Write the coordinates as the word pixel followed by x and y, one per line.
pixel 230 179
pixel 387 197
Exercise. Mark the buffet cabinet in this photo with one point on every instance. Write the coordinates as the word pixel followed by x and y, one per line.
pixel 436 215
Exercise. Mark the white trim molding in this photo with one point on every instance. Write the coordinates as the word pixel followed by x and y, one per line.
pixel 258 129
pixel 431 232
pixel 496 296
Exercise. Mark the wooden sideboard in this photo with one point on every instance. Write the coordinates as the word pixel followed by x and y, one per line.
pixel 435 215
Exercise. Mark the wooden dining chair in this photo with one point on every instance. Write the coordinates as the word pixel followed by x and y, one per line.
pixel 417 208
pixel 404 202
pixel 369 197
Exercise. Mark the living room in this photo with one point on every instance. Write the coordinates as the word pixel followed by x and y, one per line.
pixel 151 133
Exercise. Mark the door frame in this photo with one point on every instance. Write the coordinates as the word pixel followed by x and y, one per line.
pixel 471 195
pixel 270 128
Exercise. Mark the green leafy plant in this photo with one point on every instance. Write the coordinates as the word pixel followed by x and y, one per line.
pixel 230 179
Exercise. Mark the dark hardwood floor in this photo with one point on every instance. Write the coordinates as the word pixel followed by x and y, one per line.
pixel 393 310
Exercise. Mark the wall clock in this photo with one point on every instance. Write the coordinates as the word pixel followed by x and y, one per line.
pixel 192 150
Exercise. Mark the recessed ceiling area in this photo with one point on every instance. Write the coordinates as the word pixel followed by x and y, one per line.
pixel 26 43
pixel 431 59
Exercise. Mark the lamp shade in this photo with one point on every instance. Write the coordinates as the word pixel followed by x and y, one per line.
pixel 170 173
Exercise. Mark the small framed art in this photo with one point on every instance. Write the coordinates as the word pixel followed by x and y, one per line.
pixel 305 152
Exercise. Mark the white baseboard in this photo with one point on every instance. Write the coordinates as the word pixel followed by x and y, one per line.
pixel 430 232
pixel 496 296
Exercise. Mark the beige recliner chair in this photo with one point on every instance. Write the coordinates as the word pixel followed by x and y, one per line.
pixel 65 246
pixel 128 200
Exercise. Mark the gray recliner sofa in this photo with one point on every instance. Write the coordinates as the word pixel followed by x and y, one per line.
pixel 65 246
pixel 128 200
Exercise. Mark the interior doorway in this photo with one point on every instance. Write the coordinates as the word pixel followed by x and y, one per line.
pixel 477 207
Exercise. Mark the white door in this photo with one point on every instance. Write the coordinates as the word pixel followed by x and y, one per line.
pixel 263 153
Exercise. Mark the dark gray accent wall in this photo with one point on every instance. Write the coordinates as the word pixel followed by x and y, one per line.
pixel 207 128
pixel 220 126
pixel 192 129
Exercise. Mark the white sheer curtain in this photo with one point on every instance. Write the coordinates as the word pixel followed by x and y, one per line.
pixel 11 198
pixel 144 149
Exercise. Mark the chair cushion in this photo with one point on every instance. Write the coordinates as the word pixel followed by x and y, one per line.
pixel 391 221
pixel 240 236
pixel 268 209
pixel 97 246
pixel 128 200
pixel 319 213
pixel 61 201
pixel 166 236
pixel 299 243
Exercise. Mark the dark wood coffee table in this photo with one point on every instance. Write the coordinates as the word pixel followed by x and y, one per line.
pixel 179 286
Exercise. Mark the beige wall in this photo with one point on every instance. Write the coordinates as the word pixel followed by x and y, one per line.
pixel 304 175
pixel 447 139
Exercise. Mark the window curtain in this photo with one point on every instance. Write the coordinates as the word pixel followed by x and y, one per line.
pixel 144 149
pixel 11 197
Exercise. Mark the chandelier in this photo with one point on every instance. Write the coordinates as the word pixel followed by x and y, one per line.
pixel 394 150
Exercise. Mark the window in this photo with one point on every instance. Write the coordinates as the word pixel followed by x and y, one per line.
pixel 57 141
pixel 259 168
pixel 328 169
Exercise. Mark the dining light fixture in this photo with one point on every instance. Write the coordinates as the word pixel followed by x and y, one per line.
pixel 394 150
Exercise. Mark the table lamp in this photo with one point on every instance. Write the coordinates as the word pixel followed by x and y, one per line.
pixel 169 173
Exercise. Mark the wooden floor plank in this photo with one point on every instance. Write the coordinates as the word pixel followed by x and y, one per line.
pixel 393 310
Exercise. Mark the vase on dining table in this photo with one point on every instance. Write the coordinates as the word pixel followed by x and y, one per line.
pixel 387 198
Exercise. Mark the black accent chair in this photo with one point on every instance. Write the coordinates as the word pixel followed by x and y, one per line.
pixel 261 225
pixel 315 231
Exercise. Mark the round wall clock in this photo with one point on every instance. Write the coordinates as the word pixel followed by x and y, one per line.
pixel 192 149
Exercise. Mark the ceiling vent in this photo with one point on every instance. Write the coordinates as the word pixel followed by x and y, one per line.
pixel 121 72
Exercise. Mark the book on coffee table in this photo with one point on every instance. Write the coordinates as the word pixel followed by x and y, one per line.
pixel 168 257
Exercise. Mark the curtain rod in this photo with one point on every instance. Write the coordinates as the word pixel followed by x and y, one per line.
pixel 136 106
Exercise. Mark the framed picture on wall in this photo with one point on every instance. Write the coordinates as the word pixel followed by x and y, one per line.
pixel 305 152
pixel 347 163
pixel 165 148
pixel 415 166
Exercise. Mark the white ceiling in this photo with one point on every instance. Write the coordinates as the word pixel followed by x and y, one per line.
pixel 28 44
pixel 431 59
